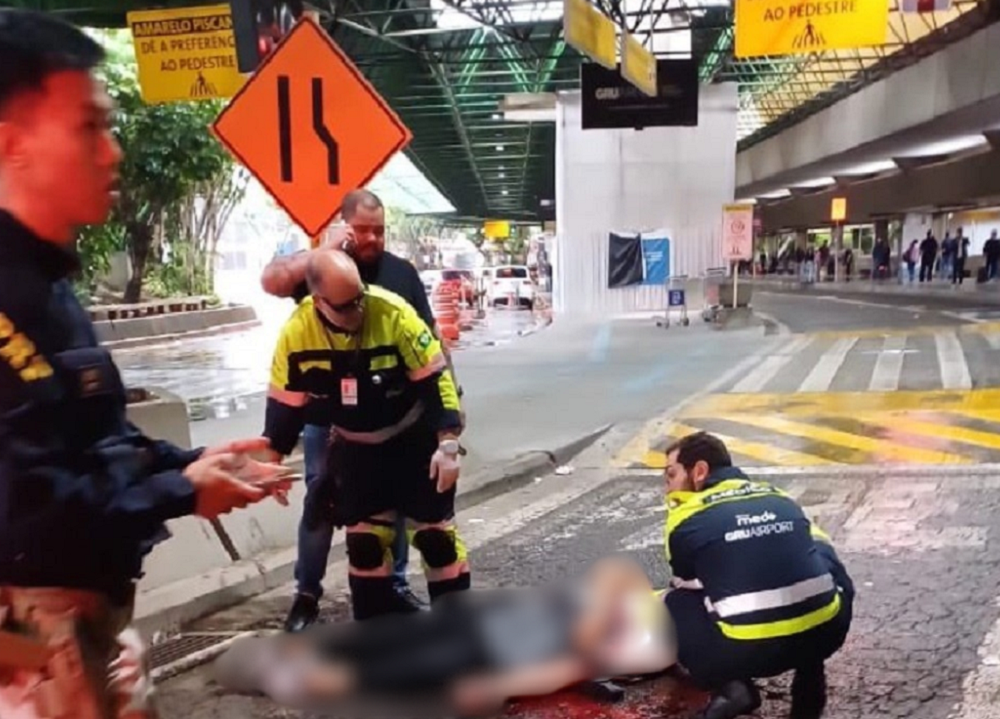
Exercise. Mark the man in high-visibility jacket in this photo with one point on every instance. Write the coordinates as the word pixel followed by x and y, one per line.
pixel 758 589
pixel 359 359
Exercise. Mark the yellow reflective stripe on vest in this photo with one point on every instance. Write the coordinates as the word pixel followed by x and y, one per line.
pixel 785 627
pixel 681 506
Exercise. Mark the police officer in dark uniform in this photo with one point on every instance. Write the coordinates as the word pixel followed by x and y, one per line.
pixel 83 493
pixel 363 236
pixel 758 588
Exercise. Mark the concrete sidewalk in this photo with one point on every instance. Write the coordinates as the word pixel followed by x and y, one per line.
pixel 987 293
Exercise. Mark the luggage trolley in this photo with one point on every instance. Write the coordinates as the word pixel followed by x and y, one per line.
pixel 676 301
pixel 712 280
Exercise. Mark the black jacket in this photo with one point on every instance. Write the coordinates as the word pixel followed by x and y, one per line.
pixel 83 493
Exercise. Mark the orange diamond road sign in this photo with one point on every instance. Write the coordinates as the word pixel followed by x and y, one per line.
pixel 310 127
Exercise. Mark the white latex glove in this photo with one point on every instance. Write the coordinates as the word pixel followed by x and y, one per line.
pixel 444 468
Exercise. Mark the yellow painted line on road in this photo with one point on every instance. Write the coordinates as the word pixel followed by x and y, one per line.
pixel 971 328
pixel 804 404
pixel 981 415
pixel 880 449
pixel 763 452
pixel 942 430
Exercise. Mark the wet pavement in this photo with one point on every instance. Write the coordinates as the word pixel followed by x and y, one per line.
pixel 922 553
pixel 217 375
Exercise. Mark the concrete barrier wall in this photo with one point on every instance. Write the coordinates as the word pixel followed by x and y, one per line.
pixel 172 324
pixel 194 547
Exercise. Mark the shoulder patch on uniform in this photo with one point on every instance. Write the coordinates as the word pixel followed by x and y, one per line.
pixel 424 340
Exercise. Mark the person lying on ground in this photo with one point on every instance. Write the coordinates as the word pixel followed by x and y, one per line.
pixel 473 652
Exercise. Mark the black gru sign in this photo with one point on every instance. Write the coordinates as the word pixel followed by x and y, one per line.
pixel 611 101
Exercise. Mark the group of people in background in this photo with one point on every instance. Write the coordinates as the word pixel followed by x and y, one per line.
pixel 945 260
pixel 925 260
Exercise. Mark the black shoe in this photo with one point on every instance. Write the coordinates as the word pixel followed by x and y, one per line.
pixel 808 693
pixel 304 611
pixel 605 691
pixel 734 699
pixel 408 602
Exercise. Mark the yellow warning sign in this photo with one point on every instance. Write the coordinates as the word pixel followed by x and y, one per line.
pixel 185 54
pixel 790 27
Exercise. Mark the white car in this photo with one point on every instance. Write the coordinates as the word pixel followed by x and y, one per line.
pixel 430 278
pixel 508 283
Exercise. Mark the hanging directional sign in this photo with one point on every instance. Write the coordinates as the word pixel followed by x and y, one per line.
pixel 795 27
pixel 590 32
pixel 310 128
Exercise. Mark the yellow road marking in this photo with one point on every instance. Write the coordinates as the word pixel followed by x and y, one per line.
pixel 971 328
pixel 844 403
pixel 944 431
pixel 755 450
pixel 882 449
pixel 983 415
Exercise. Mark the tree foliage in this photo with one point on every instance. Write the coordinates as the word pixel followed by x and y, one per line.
pixel 178 185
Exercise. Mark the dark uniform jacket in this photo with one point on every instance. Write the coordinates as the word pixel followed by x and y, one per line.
pixel 754 552
pixel 83 493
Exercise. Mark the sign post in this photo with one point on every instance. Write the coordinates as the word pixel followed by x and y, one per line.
pixel 838 214
pixel 310 127
pixel 737 240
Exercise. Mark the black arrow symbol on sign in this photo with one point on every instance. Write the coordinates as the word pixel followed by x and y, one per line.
pixel 319 127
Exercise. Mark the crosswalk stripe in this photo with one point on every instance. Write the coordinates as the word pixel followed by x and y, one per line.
pixel 951 358
pixel 821 376
pixel 770 366
pixel 880 449
pixel 755 450
pixel 889 365
pixel 941 431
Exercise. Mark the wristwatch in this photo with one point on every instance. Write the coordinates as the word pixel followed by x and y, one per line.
pixel 449 446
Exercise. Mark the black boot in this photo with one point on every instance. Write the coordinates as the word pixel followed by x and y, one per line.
pixel 809 692
pixel 408 601
pixel 304 611
pixel 734 699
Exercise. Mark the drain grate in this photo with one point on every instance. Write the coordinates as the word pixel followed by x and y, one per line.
pixel 183 646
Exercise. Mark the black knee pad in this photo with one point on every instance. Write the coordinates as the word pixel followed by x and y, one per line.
pixel 437 546
pixel 364 550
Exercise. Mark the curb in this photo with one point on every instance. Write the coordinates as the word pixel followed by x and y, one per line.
pixel 187 600
pixel 986 296
pixel 158 340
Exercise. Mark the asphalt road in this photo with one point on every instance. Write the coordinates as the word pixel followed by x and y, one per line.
pixel 522 393
pixel 919 544
pixel 818 308
pixel 921 550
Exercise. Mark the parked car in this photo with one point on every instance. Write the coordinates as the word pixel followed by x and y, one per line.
pixel 510 283
pixel 430 278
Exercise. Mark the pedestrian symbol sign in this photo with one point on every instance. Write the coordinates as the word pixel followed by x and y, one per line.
pixel 185 54
pixel 310 128
pixel 788 27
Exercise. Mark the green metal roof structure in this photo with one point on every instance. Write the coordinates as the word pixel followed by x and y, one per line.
pixel 445 66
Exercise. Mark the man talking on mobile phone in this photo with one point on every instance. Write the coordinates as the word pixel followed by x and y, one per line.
pixel 362 235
